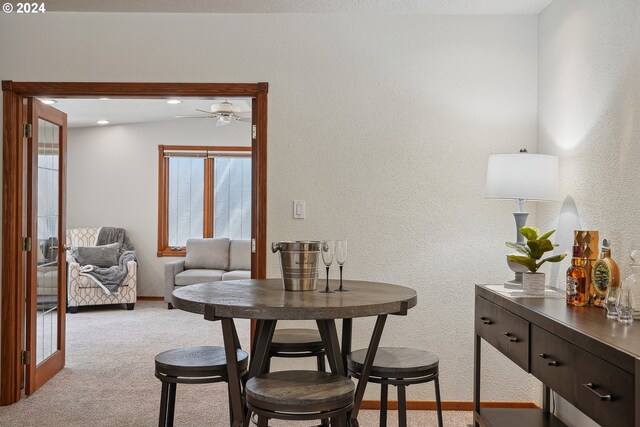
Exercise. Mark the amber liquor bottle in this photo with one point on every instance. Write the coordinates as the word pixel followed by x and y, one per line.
pixel 577 291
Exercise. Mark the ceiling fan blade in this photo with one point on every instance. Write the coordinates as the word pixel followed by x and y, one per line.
pixel 244 119
pixel 202 111
pixel 194 117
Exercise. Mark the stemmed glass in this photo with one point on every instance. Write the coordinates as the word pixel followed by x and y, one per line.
pixel 328 248
pixel 624 305
pixel 341 258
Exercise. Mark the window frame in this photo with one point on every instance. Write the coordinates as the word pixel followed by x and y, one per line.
pixel 164 250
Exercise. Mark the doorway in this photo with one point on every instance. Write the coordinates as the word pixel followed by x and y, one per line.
pixel 16 205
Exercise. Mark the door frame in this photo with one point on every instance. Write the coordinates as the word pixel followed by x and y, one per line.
pixel 14 200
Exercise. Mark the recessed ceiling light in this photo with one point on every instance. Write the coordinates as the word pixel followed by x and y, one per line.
pixel 103 99
pixel 174 101
pixel 103 122
pixel 48 101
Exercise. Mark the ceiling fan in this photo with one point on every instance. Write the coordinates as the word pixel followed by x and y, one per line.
pixel 225 112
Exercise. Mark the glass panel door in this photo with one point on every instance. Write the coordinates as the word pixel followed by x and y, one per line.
pixel 48 175
pixel 46 267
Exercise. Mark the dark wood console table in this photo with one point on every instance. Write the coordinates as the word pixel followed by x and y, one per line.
pixel 589 360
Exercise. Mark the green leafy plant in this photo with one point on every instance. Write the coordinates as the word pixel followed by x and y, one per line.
pixel 534 249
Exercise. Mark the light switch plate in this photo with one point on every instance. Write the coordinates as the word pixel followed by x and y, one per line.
pixel 298 209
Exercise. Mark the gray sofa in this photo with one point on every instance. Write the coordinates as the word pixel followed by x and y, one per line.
pixel 208 260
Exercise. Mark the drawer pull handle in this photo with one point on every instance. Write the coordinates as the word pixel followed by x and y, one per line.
pixel 509 337
pixel 551 362
pixel 592 387
pixel 486 320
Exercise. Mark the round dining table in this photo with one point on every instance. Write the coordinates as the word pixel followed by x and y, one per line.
pixel 266 302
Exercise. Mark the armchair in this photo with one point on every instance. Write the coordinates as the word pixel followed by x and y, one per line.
pixel 82 290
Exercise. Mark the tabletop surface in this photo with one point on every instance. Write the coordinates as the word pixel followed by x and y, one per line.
pixel 266 299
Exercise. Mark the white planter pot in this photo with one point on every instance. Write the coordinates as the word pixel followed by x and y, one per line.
pixel 533 284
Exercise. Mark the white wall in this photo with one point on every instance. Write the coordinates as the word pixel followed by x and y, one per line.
pixel 589 115
pixel 383 124
pixel 112 179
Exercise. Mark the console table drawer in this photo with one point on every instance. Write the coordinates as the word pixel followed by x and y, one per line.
pixel 503 330
pixel 603 392
pixel 553 361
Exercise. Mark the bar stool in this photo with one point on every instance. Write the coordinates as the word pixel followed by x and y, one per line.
pixel 400 367
pixel 191 365
pixel 292 343
pixel 300 396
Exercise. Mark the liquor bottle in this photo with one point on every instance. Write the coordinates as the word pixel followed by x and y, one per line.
pixel 588 241
pixel 577 292
pixel 605 273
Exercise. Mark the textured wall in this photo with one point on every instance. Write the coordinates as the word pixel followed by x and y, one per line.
pixel 112 179
pixel 589 115
pixel 383 124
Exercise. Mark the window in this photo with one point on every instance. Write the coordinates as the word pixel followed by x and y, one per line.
pixel 203 192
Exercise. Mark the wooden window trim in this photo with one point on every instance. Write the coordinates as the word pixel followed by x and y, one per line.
pixel 164 250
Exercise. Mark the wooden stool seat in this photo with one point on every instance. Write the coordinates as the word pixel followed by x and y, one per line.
pixel 296 340
pixel 300 395
pixel 396 362
pixel 192 365
pixel 399 367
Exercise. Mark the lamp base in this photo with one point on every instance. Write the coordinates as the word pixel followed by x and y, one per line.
pixel 515 283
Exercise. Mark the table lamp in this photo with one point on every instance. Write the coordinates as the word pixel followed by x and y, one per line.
pixel 522 177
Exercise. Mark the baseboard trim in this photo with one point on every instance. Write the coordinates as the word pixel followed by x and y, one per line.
pixel 451 405
pixel 148 298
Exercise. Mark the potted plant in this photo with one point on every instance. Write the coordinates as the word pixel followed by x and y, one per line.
pixel 531 258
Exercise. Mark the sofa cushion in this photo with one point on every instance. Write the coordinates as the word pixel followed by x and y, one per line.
pixel 240 255
pixel 207 253
pixel 193 276
pixel 237 275
pixel 100 256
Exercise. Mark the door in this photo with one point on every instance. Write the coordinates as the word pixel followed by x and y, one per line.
pixel 46 267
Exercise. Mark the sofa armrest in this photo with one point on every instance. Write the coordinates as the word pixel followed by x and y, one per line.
pixel 170 270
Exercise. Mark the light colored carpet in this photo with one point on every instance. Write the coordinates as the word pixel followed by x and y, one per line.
pixel 108 379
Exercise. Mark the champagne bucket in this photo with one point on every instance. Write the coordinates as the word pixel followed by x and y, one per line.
pixel 298 264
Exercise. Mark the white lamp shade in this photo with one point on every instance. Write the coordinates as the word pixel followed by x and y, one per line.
pixel 522 176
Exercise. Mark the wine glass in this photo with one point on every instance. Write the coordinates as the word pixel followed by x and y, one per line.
pixel 611 301
pixel 341 258
pixel 328 248
pixel 624 306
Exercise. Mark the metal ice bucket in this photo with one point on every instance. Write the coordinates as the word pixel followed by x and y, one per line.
pixel 298 264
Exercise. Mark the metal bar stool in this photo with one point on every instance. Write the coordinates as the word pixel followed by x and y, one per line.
pixel 400 367
pixel 293 343
pixel 192 365
pixel 300 396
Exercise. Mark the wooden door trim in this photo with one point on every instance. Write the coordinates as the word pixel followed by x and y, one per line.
pixel 12 256
pixel 13 181
pixel 136 90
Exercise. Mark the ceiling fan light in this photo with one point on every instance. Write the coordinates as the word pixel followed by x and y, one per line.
pixel 223 120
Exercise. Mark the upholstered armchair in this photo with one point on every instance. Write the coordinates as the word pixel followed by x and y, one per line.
pixel 83 290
